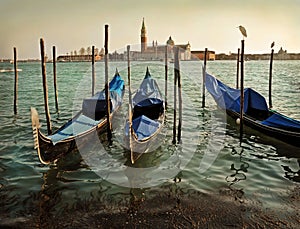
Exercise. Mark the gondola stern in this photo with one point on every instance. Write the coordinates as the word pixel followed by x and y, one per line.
pixel 36 132
pixel 35 127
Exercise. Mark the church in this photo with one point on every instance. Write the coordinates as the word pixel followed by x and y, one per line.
pixel 157 52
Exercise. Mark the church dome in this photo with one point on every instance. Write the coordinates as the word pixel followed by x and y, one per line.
pixel 170 41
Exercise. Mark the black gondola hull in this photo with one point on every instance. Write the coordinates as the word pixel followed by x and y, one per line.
pixel 289 137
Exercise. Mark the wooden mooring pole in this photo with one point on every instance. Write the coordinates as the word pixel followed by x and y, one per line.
pixel 270 79
pixel 166 76
pixel 109 134
pixel 203 79
pixel 129 106
pixel 55 79
pixel 128 76
pixel 242 91
pixel 45 87
pixel 238 69
pixel 177 71
pixel 16 82
pixel 93 70
pixel 175 95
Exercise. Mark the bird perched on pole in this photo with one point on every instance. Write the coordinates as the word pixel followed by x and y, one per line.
pixel 243 31
pixel 272 45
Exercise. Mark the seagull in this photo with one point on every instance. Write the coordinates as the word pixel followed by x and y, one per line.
pixel 272 45
pixel 243 31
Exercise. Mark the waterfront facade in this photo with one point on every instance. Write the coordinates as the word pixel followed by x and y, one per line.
pixel 75 58
pixel 155 51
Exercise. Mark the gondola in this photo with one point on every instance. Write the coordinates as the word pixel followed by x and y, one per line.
pixel 75 133
pixel 256 114
pixel 146 118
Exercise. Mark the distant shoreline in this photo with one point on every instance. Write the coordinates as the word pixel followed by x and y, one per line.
pixel 221 56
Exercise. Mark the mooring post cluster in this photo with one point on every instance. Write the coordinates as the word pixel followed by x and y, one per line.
pixel 177 79
pixel 45 87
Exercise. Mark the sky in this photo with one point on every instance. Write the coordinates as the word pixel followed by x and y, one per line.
pixel 72 24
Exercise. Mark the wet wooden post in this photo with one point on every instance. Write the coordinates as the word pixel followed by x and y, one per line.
pixel 129 105
pixel 16 82
pixel 45 87
pixel 238 69
pixel 203 79
pixel 93 70
pixel 109 134
pixel 177 71
pixel 270 79
pixel 54 78
pixel 175 94
pixel 242 92
pixel 166 76
pixel 128 75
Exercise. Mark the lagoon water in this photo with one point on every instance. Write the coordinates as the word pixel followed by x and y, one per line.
pixel 261 172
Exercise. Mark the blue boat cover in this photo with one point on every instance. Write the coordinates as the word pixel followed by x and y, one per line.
pixel 97 103
pixel 144 127
pixel 85 121
pixel 149 102
pixel 283 122
pixel 76 126
pixel 117 85
pixel 147 90
pixel 229 98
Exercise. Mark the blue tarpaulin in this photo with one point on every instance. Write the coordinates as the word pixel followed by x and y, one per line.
pixel 148 106
pixel 95 106
pixel 229 98
pixel 280 121
pixel 149 102
pixel 147 90
pixel 144 127
pixel 86 120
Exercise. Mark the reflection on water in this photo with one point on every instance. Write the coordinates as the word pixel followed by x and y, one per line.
pixel 292 174
pixel 238 175
pixel 210 160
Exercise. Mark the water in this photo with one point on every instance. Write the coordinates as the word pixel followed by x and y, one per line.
pixel 262 172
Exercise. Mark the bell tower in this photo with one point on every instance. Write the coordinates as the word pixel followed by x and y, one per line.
pixel 143 37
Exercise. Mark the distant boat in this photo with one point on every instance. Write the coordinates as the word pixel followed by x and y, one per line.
pixel 146 118
pixel 257 115
pixel 90 120
pixel 10 70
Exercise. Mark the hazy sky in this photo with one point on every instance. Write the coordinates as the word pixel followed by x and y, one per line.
pixel 73 24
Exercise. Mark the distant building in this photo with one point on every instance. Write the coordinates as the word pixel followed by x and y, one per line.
pixel 77 58
pixel 211 55
pixel 157 52
pixel 282 54
pixel 143 38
